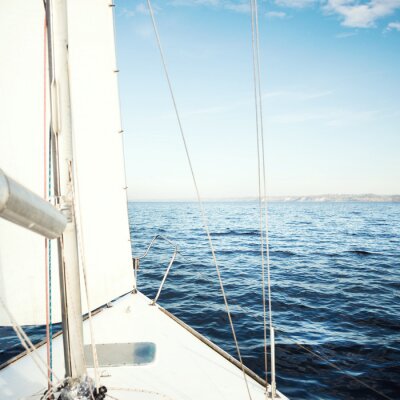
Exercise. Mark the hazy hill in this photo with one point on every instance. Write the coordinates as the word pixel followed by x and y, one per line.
pixel 340 198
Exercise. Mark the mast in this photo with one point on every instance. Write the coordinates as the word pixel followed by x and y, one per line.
pixel 61 125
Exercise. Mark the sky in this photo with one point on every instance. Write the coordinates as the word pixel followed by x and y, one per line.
pixel 330 78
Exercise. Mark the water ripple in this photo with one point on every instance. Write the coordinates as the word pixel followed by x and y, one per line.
pixel 335 271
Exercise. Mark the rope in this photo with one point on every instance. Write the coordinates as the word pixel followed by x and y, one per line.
pixel 49 334
pixel 264 169
pixel 280 330
pixel 201 207
pixel 30 348
pixel 286 334
pixel 82 260
pixel 261 193
pixel 50 266
pixel 72 304
pixel 46 241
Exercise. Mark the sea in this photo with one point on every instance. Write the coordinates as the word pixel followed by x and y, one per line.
pixel 335 288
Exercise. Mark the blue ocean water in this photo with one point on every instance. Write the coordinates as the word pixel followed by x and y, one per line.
pixel 335 271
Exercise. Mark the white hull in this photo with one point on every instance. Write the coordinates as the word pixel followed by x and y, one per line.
pixel 184 367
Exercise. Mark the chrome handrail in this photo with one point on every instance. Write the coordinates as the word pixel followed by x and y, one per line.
pixel 136 262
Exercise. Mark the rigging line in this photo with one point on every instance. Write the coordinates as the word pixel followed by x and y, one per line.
pixel 265 209
pixel 202 211
pixel 81 252
pixel 81 261
pixel 286 334
pixel 52 80
pixel 72 305
pixel 46 241
pixel 264 169
pixel 258 113
pixel 28 345
pixel 246 310
pixel 50 265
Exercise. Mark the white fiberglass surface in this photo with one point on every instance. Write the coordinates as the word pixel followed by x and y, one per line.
pixel 183 368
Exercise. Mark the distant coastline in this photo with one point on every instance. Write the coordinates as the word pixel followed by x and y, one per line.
pixel 334 198
pixel 362 198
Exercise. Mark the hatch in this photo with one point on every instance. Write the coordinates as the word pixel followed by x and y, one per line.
pixel 119 354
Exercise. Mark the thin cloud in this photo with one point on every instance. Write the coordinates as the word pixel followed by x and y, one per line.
pixel 297 95
pixel 145 31
pixel 365 15
pixel 213 3
pixel 209 110
pixel 344 35
pixel 126 12
pixel 353 13
pixel 295 3
pixel 393 26
pixel 330 117
pixel 141 8
pixel 240 6
pixel 276 14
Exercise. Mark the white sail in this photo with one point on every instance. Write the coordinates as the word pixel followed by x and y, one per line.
pixel 98 165
pixel 99 158
pixel 22 253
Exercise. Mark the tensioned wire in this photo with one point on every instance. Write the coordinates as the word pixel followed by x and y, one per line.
pixel 262 192
pixel 82 262
pixel 199 199
pixel 31 350
pixel 258 121
pixel 45 192
pixel 323 358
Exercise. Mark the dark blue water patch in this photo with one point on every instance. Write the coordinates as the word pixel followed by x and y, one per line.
pixel 328 262
pixel 282 253
pixel 10 344
pixel 363 253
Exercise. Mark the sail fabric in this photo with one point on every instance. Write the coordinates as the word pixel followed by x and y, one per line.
pixel 100 199
pixel 98 151
pixel 22 153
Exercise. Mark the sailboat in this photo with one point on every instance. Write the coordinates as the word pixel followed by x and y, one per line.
pixel 65 251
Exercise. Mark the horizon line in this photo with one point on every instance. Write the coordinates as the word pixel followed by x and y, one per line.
pixel 321 197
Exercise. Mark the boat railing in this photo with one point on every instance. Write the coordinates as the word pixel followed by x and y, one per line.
pixel 136 262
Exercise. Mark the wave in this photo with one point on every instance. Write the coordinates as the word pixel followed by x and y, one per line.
pixel 362 253
pixel 244 232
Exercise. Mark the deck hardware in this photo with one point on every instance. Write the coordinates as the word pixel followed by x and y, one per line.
pixel 273 380
pixel 165 276
pixel 136 262
pixel 21 206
